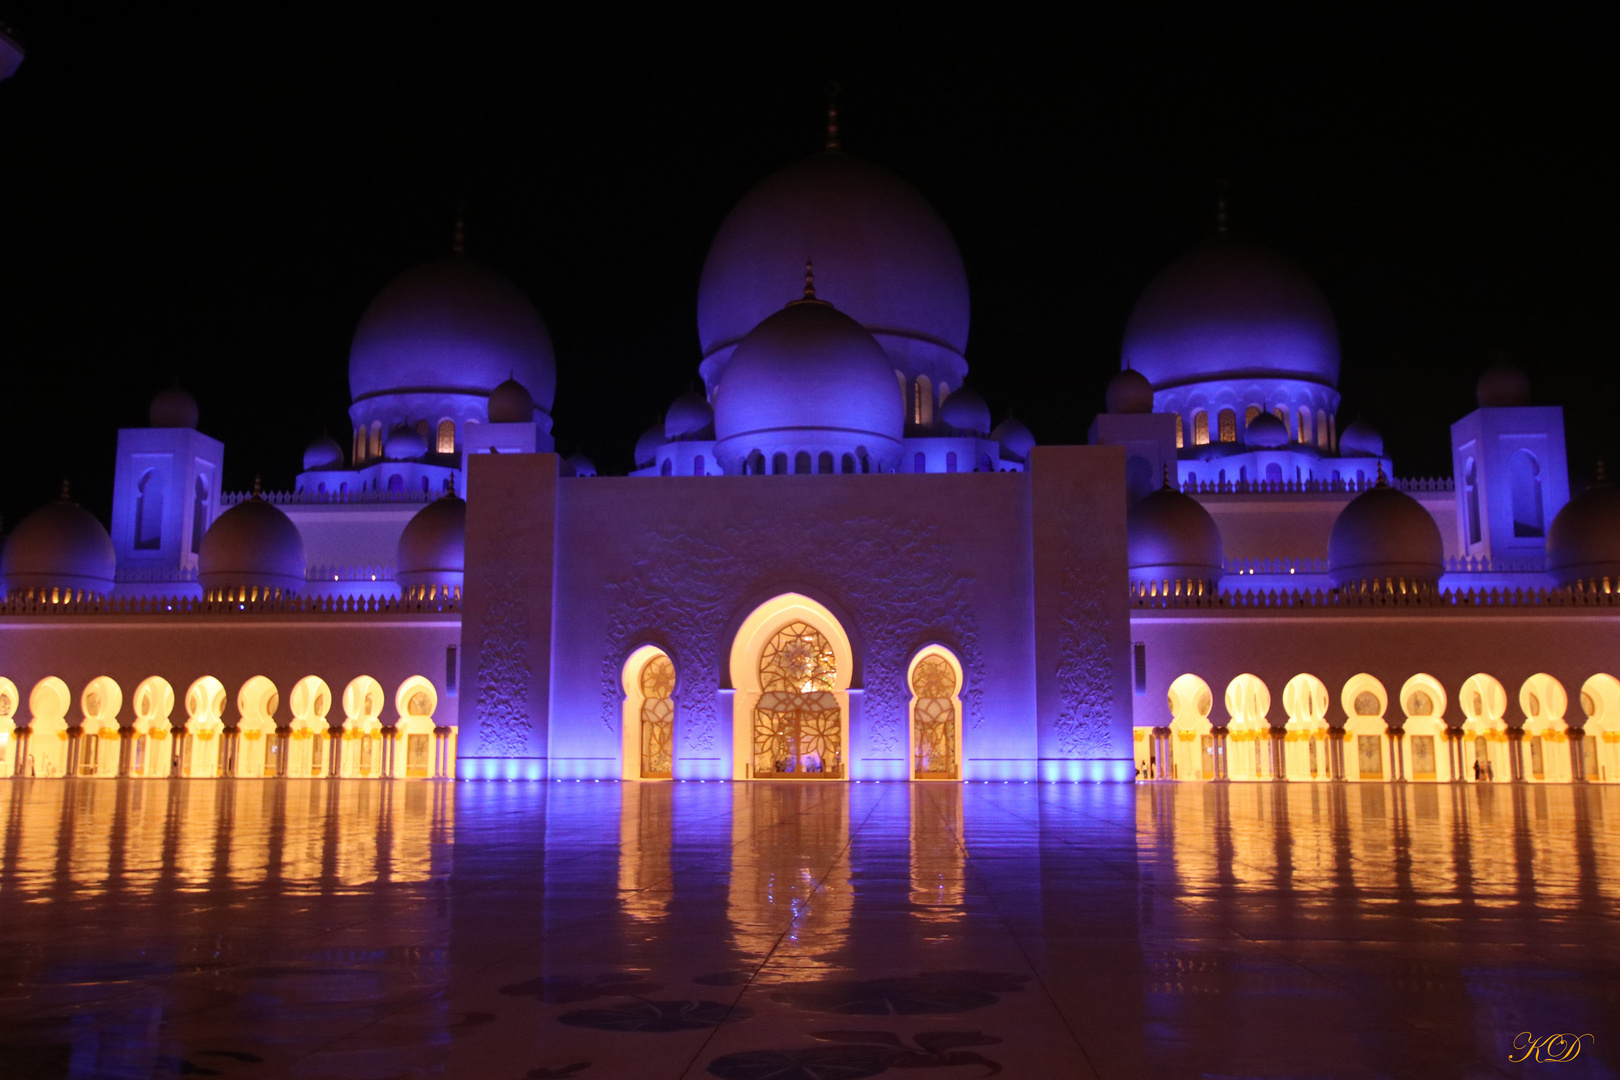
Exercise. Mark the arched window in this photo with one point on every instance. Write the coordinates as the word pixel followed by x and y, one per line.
pixel 1192 756
pixel 375 449
pixel 657 718
pixel 199 514
pixel 863 458
pixel 358 456
pixel 396 483
pixel 919 463
pixel 1178 432
pixel 1333 433
pixel 1321 429
pixel 1274 473
pixel 779 463
pixel 935 717
pixel 801 463
pixel 1471 496
pixel 667 468
pixel 1200 428
pixel 925 401
pixel 1304 433
pixel 1524 487
pixel 756 464
pixel 149 512
pixel 697 466
pixel 950 461
pixel 1249 414
pixel 1228 422
pixel 824 463
pixel 447 437
pixel 424 429
pixel 798 722
pixel 985 464
pixel 849 463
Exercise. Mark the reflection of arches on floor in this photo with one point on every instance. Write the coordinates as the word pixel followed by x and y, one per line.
pixel 1600 736
pixel 257 748
pixel 47 728
pixel 1546 735
pixel 309 736
pixel 150 749
pixel 934 677
pixel 1485 745
pixel 1425 742
pixel 647 715
pixel 791 666
pixel 200 749
pixel 1366 735
pixel 1248 731
pixel 8 727
pixel 1192 738
pixel 1305 745
pixel 99 734
pixel 362 728
pixel 414 751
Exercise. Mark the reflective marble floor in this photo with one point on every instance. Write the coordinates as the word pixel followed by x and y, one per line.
pixel 803 931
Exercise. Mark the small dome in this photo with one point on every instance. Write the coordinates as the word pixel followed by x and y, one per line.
pixel 451 325
pixel 59 546
pixel 690 417
pixel 1265 432
pixel 252 545
pixel 433 548
pixel 1171 537
pixel 809 368
pixel 1583 543
pixel 1232 309
pixel 965 410
pixel 647 446
pixel 1502 386
pixel 404 443
pixel 172 408
pixel 511 403
pixel 577 464
pixel 1384 533
pixel 883 255
pixel 1361 439
pixel 1130 392
pixel 323 453
pixel 1015 439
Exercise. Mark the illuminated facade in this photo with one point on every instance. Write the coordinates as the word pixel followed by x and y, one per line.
pixel 829 564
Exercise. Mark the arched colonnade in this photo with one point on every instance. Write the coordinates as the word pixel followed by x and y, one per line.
pixel 155 744
pixel 1406 737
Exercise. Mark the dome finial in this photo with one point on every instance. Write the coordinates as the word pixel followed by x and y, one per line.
pixel 1166 486
pixel 1600 478
pixel 67 491
pixel 809 279
pixel 1382 481
pixel 458 240
pixel 832 142
pixel 258 488
pixel 1222 227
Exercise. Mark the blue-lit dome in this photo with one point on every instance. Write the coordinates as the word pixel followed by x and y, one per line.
pixel 451 325
pixel 689 417
pixel 1232 310
pixel 1015 438
pixel 511 403
pixel 251 545
pixel 809 371
pixel 883 256
pixel 965 410
pixel 432 549
pixel 1385 535
pixel 1170 537
pixel 323 453
pixel 646 452
pixel 59 546
pixel 1265 432
pixel 1583 543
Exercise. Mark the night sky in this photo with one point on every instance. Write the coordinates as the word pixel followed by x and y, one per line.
pixel 216 199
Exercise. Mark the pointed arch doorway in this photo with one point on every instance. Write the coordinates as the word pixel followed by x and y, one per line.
pixel 791 665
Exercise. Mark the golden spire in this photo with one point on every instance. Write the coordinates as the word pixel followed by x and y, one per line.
pixel 809 280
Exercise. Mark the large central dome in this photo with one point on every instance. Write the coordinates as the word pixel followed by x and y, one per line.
pixel 1232 309
pixel 452 325
pixel 882 256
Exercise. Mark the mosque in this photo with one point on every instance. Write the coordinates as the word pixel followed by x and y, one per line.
pixel 829 564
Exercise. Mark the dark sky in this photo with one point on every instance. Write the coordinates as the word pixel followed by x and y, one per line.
pixel 217 197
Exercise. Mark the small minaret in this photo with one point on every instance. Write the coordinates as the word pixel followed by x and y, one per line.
pixel 165 492
pixel 1511 474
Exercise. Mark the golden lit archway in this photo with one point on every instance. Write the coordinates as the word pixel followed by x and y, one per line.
pixel 1425 745
pixel 361 755
pixel 1305 734
pixel 416 701
pixel 1366 733
pixel 1546 736
pixel 310 735
pixel 8 727
pixel 257 747
pixel 647 717
pixel 151 753
pixel 47 728
pixel 200 749
pixel 791 666
pixel 1248 731
pixel 935 730
pixel 1192 750
pixel 1600 736
pixel 99 735
pixel 1485 745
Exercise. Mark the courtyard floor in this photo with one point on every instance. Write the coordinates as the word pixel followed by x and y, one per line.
pixel 804 931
